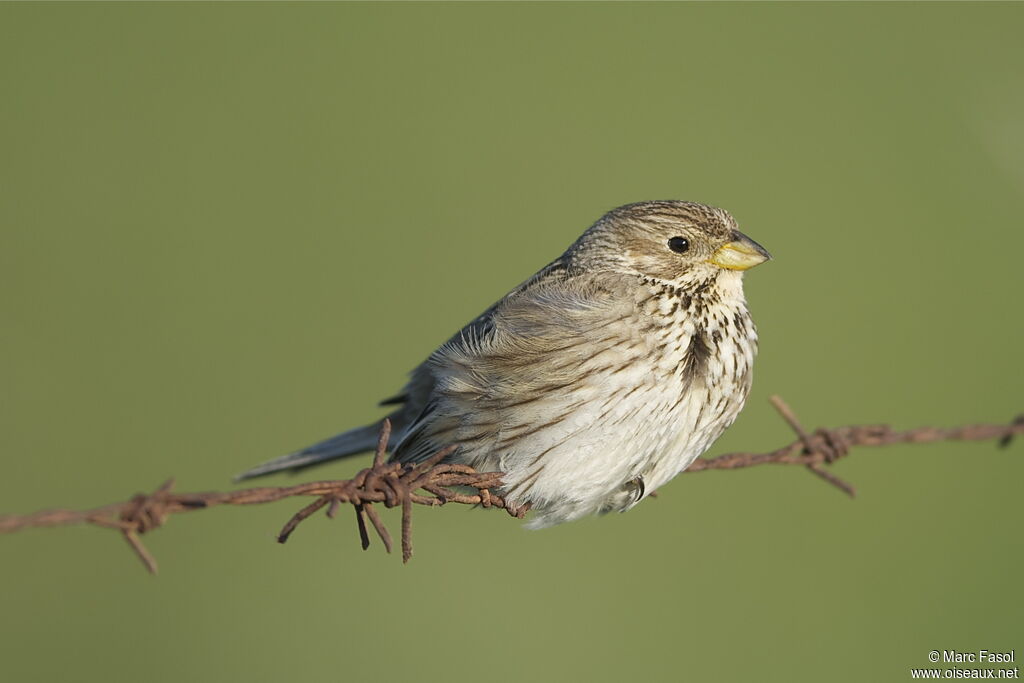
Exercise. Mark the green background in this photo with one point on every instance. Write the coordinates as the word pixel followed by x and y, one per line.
pixel 227 230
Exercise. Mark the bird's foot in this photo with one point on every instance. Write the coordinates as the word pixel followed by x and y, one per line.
pixel 638 488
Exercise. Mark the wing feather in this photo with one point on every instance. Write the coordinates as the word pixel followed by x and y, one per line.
pixel 521 360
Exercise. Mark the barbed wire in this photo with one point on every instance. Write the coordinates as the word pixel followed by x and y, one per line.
pixel 434 482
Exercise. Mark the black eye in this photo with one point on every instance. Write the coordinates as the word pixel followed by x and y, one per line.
pixel 679 244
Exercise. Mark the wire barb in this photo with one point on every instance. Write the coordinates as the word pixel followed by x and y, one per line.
pixel 435 482
pixel 829 446
pixel 1011 431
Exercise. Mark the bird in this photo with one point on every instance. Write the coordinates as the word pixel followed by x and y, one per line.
pixel 594 382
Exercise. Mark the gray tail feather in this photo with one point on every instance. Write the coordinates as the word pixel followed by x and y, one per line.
pixel 358 440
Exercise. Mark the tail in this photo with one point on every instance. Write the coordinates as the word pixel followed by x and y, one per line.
pixel 358 440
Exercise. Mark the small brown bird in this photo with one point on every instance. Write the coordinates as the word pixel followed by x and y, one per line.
pixel 597 380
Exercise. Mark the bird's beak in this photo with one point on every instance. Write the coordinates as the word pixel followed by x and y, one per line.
pixel 739 254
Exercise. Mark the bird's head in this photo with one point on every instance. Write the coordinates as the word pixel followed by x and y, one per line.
pixel 670 241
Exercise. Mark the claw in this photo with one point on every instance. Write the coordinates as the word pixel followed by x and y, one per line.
pixel 641 488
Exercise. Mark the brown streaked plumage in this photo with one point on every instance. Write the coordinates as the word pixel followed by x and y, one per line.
pixel 596 380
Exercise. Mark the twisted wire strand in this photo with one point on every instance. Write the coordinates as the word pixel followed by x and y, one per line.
pixel 435 483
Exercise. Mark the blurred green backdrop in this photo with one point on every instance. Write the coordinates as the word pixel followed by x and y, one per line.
pixel 227 230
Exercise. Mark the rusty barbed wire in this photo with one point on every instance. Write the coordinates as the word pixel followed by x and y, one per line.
pixel 397 485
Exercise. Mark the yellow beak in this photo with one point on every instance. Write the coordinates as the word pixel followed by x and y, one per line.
pixel 739 254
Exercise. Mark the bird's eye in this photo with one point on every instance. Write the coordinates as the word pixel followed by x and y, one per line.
pixel 679 244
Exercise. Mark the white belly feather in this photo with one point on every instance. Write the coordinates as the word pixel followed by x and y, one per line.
pixel 648 419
